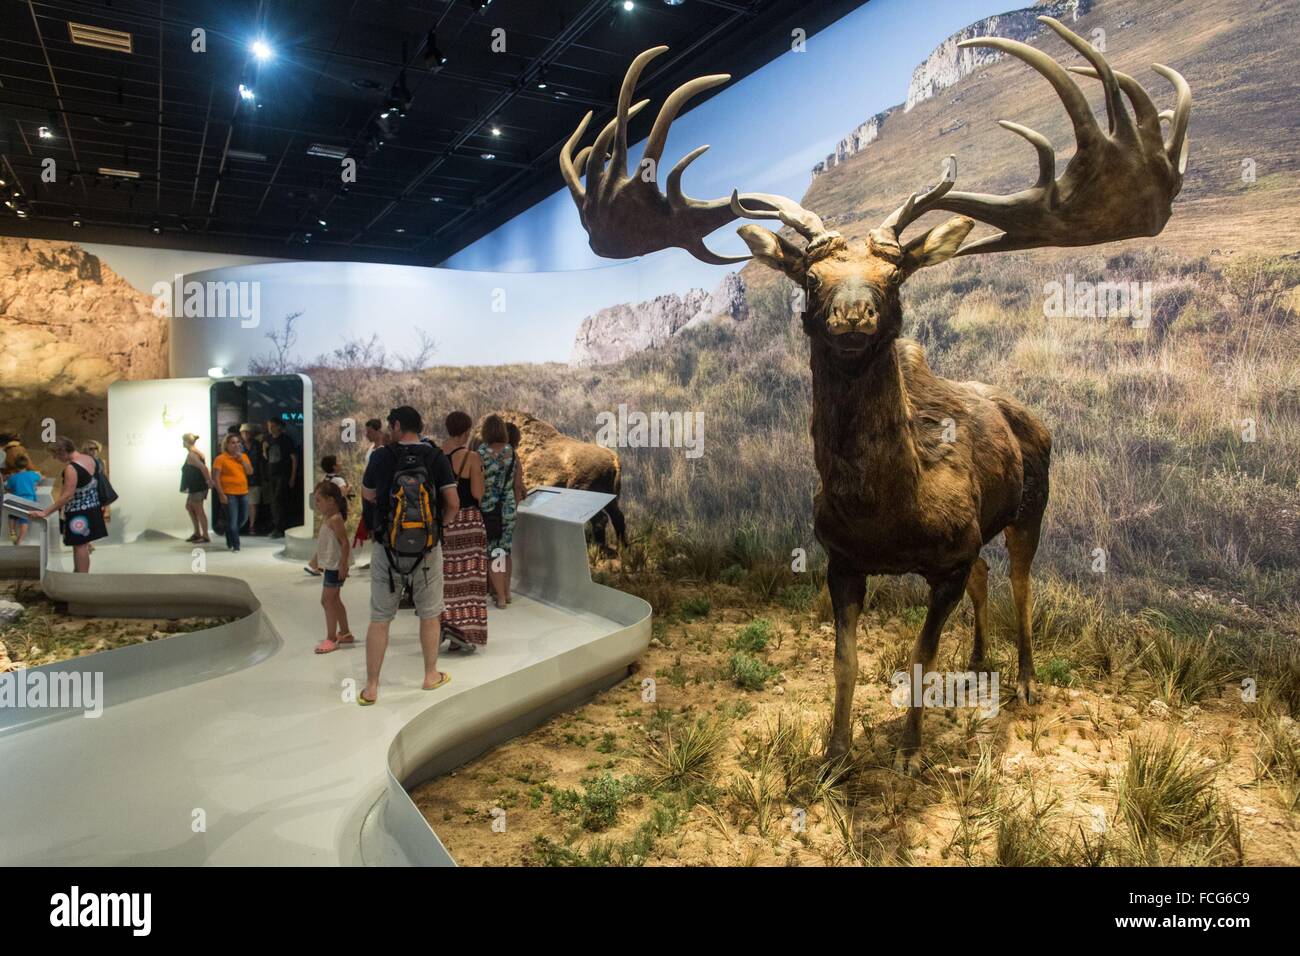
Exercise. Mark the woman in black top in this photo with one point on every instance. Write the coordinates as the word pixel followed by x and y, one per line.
pixel 196 480
pixel 83 516
pixel 464 543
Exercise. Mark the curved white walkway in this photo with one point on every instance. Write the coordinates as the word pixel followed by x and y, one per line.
pixel 238 748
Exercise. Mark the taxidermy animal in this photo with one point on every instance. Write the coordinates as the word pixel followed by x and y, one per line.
pixel 917 473
pixel 550 457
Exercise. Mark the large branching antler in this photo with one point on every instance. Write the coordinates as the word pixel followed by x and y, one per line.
pixel 1120 183
pixel 627 215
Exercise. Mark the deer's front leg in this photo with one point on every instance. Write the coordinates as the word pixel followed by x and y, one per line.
pixel 847 588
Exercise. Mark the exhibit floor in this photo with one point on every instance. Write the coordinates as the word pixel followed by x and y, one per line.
pixel 239 745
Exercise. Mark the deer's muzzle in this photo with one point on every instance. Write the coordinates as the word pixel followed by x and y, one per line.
pixel 861 315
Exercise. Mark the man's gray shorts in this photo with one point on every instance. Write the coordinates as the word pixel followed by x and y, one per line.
pixel 426 587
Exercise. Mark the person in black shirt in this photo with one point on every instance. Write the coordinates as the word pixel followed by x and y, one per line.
pixel 253 448
pixel 281 474
pixel 386 581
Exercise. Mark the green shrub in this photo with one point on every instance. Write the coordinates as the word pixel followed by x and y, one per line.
pixel 749 672
pixel 798 597
pixel 753 637
pixel 732 574
pixel 695 606
pixel 1058 671
pixel 596 808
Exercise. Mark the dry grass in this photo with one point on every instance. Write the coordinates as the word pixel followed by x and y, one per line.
pixel 711 773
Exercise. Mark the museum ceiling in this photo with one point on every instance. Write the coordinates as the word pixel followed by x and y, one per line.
pixel 226 125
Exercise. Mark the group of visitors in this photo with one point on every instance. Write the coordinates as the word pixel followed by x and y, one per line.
pixel 251 466
pixel 84 495
pixel 442 516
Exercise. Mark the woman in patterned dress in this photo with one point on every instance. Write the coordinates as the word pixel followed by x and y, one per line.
pixel 83 516
pixel 464 544
pixel 503 484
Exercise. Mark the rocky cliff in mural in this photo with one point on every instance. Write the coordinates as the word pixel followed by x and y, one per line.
pixel 70 326
pixel 949 64
pixel 616 332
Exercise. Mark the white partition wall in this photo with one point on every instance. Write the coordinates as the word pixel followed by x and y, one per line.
pixel 145 423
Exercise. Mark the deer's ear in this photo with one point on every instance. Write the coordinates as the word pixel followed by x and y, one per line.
pixel 774 251
pixel 938 244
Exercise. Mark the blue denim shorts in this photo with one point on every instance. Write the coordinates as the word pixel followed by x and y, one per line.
pixel 331 579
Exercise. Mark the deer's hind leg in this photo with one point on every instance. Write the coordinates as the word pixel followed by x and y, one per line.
pixel 1022 545
pixel 977 586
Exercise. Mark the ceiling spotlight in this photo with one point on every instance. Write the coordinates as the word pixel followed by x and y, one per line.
pixel 487 155
pixel 262 50
pixel 322 222
pixel 246 93
pixel 3 181
pixel 628 5
pixel 156 228
pixel 22 213
pixel 76 223
pixel 216 372
pixel 44 132
pixel 541 79
pixel 433 58
pixel 437 199
pixel 674 3
pixel 496 130
pixel 400 229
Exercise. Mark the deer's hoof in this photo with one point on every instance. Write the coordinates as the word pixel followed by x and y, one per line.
pixel 1027 691
pixel 836 750
pixel 907 763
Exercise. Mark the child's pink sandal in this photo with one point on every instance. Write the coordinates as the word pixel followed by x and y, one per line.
pixel 348 638
pixel 327 645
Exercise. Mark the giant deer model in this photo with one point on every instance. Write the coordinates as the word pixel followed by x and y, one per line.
pixel 896 497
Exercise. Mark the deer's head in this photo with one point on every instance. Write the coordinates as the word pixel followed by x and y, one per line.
pixel 851 300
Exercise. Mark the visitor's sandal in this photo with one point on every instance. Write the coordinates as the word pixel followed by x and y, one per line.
pixel 365 701
pixel 348 638
pixel 327 645
pixel 446 679
pixel 307 568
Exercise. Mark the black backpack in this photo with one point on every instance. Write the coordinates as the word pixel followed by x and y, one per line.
pixel 414 517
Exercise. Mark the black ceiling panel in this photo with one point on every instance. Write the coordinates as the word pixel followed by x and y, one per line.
pixel 216 172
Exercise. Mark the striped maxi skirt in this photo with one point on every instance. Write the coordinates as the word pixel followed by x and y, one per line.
pixel 464 576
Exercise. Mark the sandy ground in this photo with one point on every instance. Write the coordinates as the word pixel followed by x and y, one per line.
pixel 44 635
pixel 1055 765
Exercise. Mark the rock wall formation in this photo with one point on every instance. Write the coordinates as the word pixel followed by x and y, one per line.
pixel 614 333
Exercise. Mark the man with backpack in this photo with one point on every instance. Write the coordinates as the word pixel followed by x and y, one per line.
pixel 413 492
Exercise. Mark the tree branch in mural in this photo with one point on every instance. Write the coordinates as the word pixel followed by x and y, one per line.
pixel 354 355
pixel 917 472
pixel 280 360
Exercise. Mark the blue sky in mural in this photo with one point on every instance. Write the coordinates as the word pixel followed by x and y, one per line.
pixel 766 133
